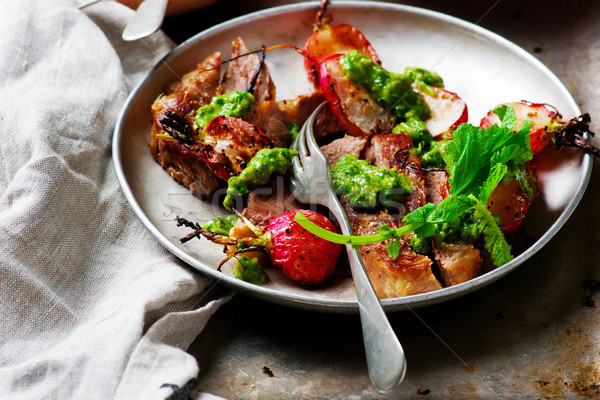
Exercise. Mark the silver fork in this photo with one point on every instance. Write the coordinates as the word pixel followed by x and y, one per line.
pixel 311 184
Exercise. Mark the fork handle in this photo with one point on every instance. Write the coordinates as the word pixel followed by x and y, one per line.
pixel 385 357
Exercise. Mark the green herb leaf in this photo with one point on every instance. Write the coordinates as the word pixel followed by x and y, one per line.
pixel 497 172
pixel 507 116
pixel 494 241
pixel 336 237
pixel 472 157
pixel 393 248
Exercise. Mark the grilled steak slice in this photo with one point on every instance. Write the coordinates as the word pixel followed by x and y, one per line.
pixel 458 262
pixel 437 186
pixel 343 146
pixel 410 273
pixel 187 167
pixel 183 98
pixel 241 71
pixel 273 117
pixel 228 144
pixel 266 203
pixel 391 151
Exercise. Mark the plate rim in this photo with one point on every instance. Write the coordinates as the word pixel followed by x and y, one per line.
pixel 347 306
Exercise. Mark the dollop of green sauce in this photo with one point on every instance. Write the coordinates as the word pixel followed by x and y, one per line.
pixel 233 104
pixel 221 225
pixel 432 155
pixel 367 186
pixel 293 129
pixel 464 229
pixel 425 79
pixel 389 89
pixel 430 151
pixel 250 270
pixel 259 170
pixel 467 228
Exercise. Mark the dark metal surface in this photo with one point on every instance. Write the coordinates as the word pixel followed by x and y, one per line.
pixel 532 334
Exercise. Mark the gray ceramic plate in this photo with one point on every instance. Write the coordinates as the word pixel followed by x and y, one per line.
pixel 483 68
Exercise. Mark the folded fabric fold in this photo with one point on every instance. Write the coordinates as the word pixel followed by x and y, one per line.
pixel 92 305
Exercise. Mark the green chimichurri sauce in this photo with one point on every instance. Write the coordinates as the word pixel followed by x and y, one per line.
pixel 432 157
pixel 465 229
pixel 420 136
pixel 430 151
pixel 221 225
pixel 250 270
pixel 367 186
pixel 234 104
pixel 259 170
pixel 391 90
pixel 293 130
pixel 425 79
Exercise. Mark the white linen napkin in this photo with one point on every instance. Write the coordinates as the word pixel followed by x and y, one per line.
pixel 92 306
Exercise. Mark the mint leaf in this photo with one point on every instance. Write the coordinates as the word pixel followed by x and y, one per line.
pixel 507 116
pixel 463 159
pixel 494 241
pixel 450 208
pixel 472 157
pixel 497 172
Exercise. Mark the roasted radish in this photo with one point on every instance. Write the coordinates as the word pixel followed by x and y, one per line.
pixel 446 112
pixel 547 125
pixel 544 119
pixel 509 203
pixel 355 109
pixel 300 255
pixel 328 40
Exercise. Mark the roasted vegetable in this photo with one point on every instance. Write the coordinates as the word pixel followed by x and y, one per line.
pixel 446 112
pixel 300 255
pixel 328 40
pixel 544 119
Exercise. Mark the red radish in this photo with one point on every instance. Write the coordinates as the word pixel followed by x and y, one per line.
pixel 338 39
pixel 300 255
pixel 352 105
pixel 543 119
pixel 328 40
pixel 510 204
pixel 508 201
pixel 447 111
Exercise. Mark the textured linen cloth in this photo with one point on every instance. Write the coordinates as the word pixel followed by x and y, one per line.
pixel 92 306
